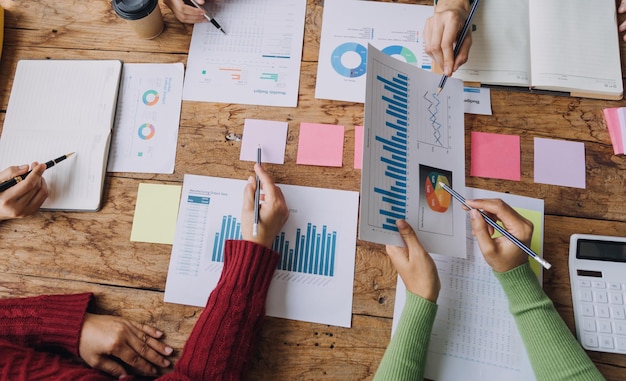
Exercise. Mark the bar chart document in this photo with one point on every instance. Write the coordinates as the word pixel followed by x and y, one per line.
pixel 413 141
pixel 349 25
pixel 256 62
pixel 474 337
pixel 315 274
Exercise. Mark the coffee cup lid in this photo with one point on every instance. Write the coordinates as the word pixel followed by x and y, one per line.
pixel 134 9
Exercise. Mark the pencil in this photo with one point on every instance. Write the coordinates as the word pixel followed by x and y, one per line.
pixel 499 228
pixel 257 196
pixel 11 182
pixel 459 41
pixel 211 20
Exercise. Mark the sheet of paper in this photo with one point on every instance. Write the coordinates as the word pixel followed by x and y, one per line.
pixel 560 162
pixel 145 133
pixel 358 147
pixel 156 210
pixel 320 144
pixel 413 140
pixel 614 122
pixel 477 100
pixel 270 135
pixel 256 62
pixel 474 337
pixel 315 276
pixel 496 156
pixel 348 26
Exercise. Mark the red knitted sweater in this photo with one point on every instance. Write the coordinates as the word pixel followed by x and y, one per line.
pixel 39 336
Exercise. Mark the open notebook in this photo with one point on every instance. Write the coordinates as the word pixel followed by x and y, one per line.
pixel 567 46
pixel 61 106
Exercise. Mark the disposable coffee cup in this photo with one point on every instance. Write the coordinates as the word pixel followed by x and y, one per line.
pixel 144 16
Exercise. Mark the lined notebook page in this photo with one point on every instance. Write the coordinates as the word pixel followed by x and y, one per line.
pixel 500 52
pixel 575 46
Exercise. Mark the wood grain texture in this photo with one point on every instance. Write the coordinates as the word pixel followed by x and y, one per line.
pixel 61 252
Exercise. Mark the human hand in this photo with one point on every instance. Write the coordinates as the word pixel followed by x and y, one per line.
pixel 105 337
pixel 26 197
pixel 186 13
pixel 414 265
pixel 500 253
pixel 622 26
pixel 273 211
pixel 441 32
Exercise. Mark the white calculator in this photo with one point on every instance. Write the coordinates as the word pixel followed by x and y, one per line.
pixel 597 268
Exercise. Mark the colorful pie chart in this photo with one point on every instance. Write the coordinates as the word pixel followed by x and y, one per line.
pixel 438 199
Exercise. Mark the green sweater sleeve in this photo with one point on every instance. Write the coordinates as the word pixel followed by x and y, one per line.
pixel 405 357
pixel 553 351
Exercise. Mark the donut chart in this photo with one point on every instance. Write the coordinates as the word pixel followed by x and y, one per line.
pixel 437 198
pixel 150 97
pixel 402 51
pixel 349 48
pixel 146 131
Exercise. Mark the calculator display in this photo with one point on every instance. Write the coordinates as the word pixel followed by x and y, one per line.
pixel 601 250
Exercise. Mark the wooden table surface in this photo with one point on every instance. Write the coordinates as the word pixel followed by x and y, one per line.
pixel 61 252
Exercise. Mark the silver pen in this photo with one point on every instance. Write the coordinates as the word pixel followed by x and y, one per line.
pixel 212 20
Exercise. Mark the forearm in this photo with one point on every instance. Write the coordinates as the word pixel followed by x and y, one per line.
pixel 49 320
pixel 405 357
pixel 223 337
pixel 553 351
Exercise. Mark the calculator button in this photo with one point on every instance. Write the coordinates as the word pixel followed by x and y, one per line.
pixel 590 340
pixel 618 313
pixel 602 311
pixel 620 343
pixel 620 327
pixel 589 325
pixel 598 284
pixel 616 298
pixel 615 286
pixel 585 295
pixel 606 342
pixel 587 309
pixel 584 283
pixel 600 297
pixel 604 326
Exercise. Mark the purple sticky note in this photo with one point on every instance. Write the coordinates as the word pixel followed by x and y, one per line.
pixel 358 147
pixel 495 156
pixel 270 135
pixel 560 162
pixel 320 144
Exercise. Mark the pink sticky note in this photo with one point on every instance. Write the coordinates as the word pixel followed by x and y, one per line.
pixel 560 162
pixel 495 156
pixel 320 144
pixel 358 147
pixel 611 116
pixel 270 135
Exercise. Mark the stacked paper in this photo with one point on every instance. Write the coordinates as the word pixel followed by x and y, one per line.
pixel 616 123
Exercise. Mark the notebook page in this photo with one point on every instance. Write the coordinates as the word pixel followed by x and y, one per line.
pixel 575 46
pixel 500 49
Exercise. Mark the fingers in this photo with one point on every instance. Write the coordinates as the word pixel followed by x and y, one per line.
pixel 13 171
pixel 142 350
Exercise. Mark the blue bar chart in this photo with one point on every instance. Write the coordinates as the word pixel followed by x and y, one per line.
pixel 310 251
pixel 391 150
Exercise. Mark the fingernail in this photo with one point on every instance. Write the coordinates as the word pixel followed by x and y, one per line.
pixel 23 166
pixel 250 180
pixel 474 214
pixel 447 70
pixel 159 333
pixel 168 350
pixel 166 362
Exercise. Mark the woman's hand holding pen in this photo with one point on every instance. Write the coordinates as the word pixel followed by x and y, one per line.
pixel 186 13
pixel 500 253
pixel 273 211
pixel 26 197
pixel 414 265
pixel 441 32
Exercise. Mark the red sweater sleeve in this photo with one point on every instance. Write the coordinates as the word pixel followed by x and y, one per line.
pixel 49 320
pixel 223 338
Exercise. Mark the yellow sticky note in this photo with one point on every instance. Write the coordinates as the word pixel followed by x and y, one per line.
pixel 536 244
pixel 156 212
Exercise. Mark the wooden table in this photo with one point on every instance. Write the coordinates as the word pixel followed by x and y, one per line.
pixel 54 252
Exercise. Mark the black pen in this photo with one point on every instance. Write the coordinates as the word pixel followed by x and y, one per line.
pixel 459 41
pixel 212 20
pixel 9 183
pixel 257 196
pixel 499 228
